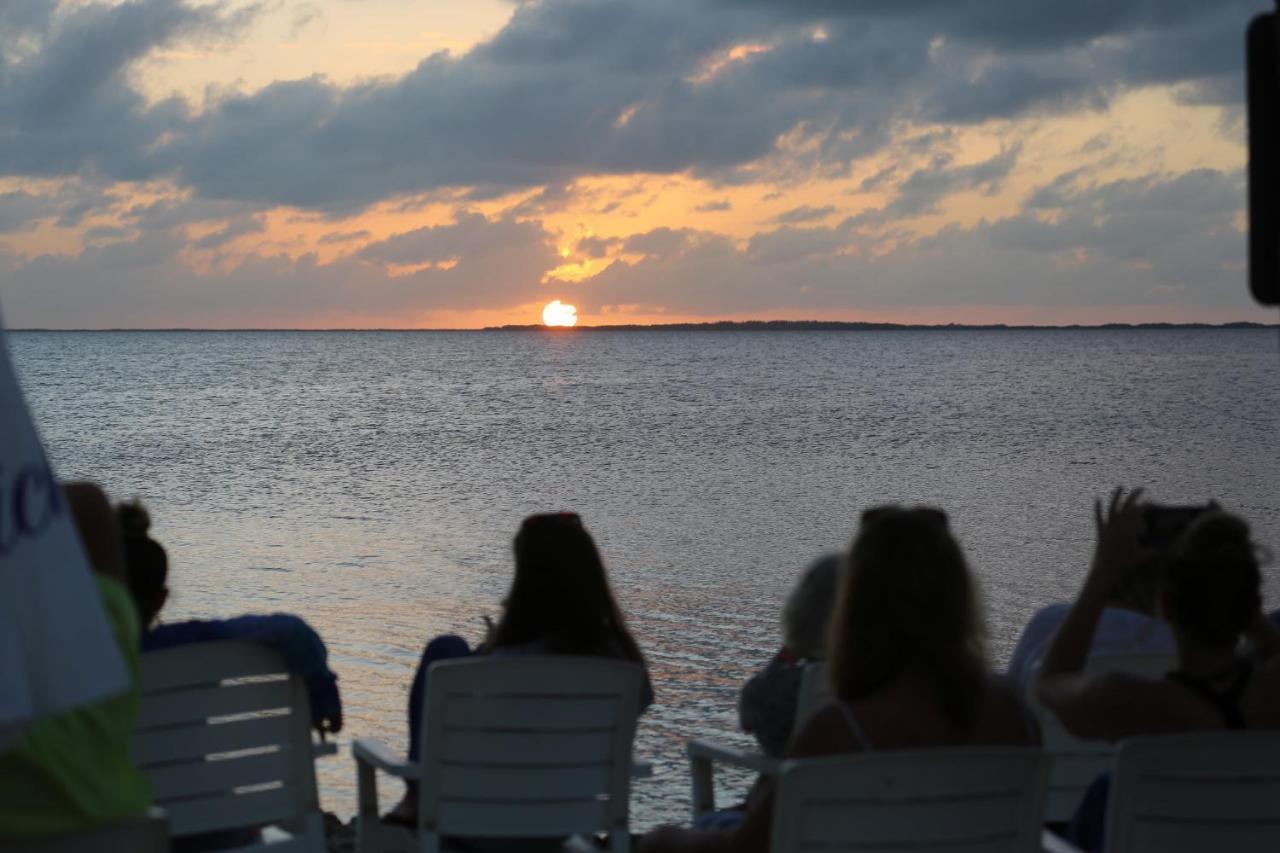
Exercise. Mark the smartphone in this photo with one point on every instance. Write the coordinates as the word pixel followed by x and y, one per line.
pixel 1161 525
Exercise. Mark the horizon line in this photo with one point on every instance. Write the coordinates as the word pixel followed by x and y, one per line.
pixel 708 325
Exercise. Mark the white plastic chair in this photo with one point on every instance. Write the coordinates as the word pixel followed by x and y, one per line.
pixel 1075 762
pixel 704 754
pixel 1193 792
pixel 224 736
pixel 975 799
pixel 144 834
pixel 514 747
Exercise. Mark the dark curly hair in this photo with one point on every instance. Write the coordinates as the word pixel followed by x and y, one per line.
pixel 145 560
pixel 1214 584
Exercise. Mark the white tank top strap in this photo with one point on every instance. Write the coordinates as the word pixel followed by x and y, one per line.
pixel 855 728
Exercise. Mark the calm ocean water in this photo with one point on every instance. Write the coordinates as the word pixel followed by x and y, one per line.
pixel 371 482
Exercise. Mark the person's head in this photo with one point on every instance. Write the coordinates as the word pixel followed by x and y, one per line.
pixel 147 563
pixel 808 609
pixel 1214 584
pixel 907 600
pixel 1141 588
pixel 91 512
pixel 560 595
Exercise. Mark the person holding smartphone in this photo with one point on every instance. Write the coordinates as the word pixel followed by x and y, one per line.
pixel 1211 599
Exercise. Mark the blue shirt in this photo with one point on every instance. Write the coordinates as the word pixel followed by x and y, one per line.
pixel 304 652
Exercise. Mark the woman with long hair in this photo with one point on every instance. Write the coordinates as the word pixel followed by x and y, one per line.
pixel 560 603
pixel 906 662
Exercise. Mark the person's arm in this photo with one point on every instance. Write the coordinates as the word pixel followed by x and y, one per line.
pixel 824 730
pixel 1079 700
pixel 305 654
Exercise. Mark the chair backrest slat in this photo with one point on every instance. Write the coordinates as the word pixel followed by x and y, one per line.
pixel 251 809
pixel 1075 762
pixel 550 713
pixel 197 704
pixel 988 799
pixel 224 737
pixel 546 749
pixel 1215 790
pixel 528 746
pixel 515 783
pixel 521 819
pixel 174 743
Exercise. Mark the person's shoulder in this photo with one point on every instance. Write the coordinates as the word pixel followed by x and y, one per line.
pixel 1009 718
pixel 1056 611
pixel 1043 622
pixel 824 733
pixel 173 634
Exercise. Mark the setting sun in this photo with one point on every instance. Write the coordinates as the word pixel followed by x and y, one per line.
pixel 558 314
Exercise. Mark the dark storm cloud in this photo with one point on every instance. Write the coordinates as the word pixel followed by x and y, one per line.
pixel 804 213
pixel 923 190
pixel 235 228
pixel 337 237
pixel 660 241
pixel 576 88
pixel 66 206
pixel 1160 240
pixel 1156 240
pixel 1181 227
pixel 20 210
pixel 66 103
pixel 143 282
pixel 597 247
pixel 471 235
pixel 585 87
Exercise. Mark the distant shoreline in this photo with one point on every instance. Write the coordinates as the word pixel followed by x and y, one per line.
pixel 738 326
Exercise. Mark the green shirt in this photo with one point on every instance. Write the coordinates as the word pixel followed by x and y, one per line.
pixel 72 771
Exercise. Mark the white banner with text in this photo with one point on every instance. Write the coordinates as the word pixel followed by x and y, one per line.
pixel 56 649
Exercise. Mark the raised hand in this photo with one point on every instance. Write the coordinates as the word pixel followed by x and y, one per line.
pixel 1119 527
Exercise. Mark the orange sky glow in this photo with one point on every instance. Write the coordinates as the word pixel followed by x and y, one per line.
pixel 711 240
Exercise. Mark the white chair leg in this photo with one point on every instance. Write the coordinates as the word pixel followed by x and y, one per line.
pixel 702 775
pixel 368 823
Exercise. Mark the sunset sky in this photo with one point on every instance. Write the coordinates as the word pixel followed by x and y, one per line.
pixel 422 163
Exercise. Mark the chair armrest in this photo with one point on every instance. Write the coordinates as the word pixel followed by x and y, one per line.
pixel 323 748
pixel 641 769
pixel 703 755
pixel 1051 842
pixel 376 754
pixel 707 750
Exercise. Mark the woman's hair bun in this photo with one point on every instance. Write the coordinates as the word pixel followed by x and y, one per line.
pixel 1213 532
pixel 134 518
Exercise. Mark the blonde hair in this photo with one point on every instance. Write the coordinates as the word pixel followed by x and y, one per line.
pixel 807 612
pixel 907 597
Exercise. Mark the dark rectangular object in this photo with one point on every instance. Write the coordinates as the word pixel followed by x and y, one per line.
pixel 1264 151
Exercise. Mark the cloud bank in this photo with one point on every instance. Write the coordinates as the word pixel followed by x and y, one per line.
pixel 856 113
